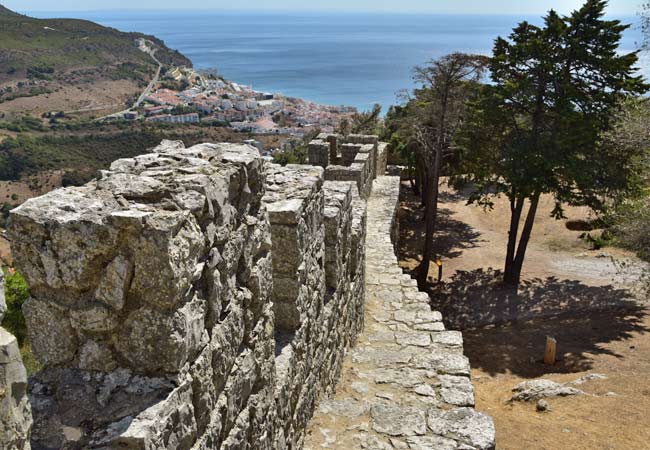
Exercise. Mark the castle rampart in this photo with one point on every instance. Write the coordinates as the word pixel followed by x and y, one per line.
pixel 195 298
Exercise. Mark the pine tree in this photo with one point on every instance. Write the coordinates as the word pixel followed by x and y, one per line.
pixel 536 127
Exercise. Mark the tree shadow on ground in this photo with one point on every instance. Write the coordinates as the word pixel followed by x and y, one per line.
pixel 505 329
pixel 451 237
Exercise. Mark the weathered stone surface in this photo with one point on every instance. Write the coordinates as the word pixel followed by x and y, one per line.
pixel 433 443
pixel 536 389
pixel 457 391
pixel 151 306
pixel 464 425
pixel 443 363
pixel 15 409
pixel 589 377
pixel 51 336
pixel 398 421
pixel 3 303
pixel 347 407
pixel 356 158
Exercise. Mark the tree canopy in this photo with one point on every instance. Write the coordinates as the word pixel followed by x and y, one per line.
pixel 536 128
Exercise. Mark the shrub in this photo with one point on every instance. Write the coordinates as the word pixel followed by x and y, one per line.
pixel 16 294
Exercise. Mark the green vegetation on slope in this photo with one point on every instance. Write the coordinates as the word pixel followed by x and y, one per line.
pixel 30 154
pixel 16 294
pixel 80 150
pixel 42 48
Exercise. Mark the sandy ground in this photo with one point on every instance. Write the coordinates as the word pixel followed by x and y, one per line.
pixel 577 295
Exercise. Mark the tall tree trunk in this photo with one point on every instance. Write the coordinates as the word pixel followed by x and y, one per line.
pixel 516 206
pixel 426 189
pixel 430 215
pixel 420 180
pixel 513 276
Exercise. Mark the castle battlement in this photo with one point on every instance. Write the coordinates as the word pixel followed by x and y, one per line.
pixel 199 298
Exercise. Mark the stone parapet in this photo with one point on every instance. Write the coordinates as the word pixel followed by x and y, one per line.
pixel 151 307
pixel 295 201
pixel 189 298
pixel 357 158
pixel 315 293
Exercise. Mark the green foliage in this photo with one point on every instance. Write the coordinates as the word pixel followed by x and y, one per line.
pixel 293 155
pixel 32 92
pixel 597 242
pixel 183 109
pixel 4 213
pixel 281 119
pixel 368 122
pixel 76 177
pixel 298 152
pixel 24 123
pixel 28 154
pixel 438 107
pixel 175 85
pixel 131 71
pixel 536 128
pixel 40 72
pixel 16 294
pixel 628 214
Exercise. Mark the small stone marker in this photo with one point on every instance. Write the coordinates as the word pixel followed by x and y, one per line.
pixel 542 405
pixel 549 354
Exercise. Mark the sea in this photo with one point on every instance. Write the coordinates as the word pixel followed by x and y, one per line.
pixel 355 59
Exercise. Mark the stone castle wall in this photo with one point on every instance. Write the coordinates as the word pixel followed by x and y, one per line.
pixel 355 157
pixel 189 298
pixel 200 298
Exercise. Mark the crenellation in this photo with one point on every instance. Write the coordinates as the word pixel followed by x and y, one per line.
pixel 349 158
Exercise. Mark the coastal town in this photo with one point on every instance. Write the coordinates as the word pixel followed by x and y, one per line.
pixel 186 96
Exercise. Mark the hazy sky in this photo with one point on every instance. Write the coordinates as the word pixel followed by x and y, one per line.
pixel 619 7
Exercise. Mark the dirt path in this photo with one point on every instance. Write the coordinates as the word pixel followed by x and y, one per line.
pixel 569 292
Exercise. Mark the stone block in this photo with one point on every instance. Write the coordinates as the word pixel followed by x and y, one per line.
pixel 15 409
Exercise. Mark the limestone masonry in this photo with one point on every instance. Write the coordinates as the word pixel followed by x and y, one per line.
pixel 15 411
pixel 201 298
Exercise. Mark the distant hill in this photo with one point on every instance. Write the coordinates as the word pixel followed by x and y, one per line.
pixel 48 48
pixel 6 12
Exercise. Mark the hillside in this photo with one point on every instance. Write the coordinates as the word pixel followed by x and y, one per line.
pixel 32 47
pixel 70 64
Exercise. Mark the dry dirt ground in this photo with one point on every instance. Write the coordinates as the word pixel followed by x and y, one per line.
pixel 90 99
pixel 595 311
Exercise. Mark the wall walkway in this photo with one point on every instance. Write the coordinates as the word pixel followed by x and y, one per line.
pixel 406 385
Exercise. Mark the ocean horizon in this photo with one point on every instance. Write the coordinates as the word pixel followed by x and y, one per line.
pixel 355 59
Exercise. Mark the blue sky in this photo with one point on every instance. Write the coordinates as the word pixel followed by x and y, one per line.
pixel 618 7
